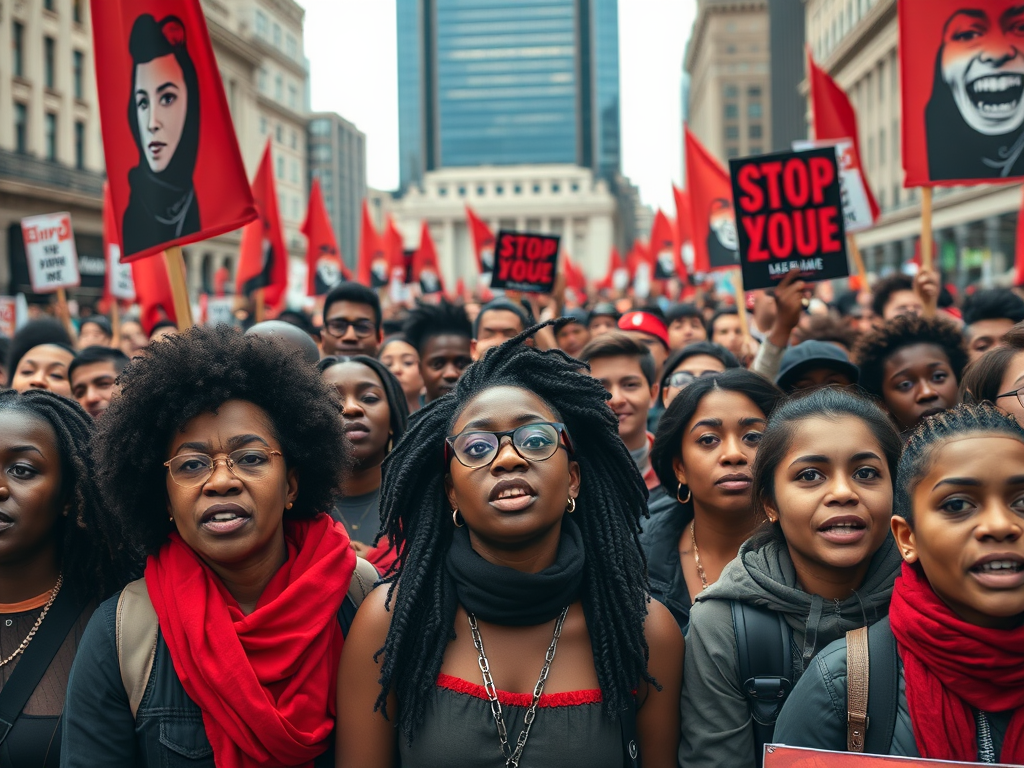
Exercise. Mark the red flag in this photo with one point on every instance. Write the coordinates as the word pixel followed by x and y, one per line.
pixel 713 224
pixel 263 261
pixel 394 252
pixel 684 232
pixel 834 118
pixel 153 292
pixel 1018 262
pixel 640 263
pixel 575 279
pixel 483 242
pixel 617 277
pixel 372 269
pixel 324 267
pixel 176 173
pixel 460 289
pixel 663 246
pixel 425 269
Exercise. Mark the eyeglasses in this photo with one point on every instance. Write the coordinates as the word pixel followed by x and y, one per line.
pixel 190 470
pixel 1018 393
pixel 339 326
pixel 682 379
pixel 534 442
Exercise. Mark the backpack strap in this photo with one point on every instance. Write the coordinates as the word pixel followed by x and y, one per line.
pixel 857 673
pixel 364 577
pixel 630 741
pixel 884 678
pixel 764 653
pixel 135 633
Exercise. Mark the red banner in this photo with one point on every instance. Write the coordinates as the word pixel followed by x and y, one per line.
pixel 425 268
pixel 176 174
pixel 663 246
pixel 684 232
pixel 962 91
pixel 324 267
pixel 263 260
pixel 715 245
pixel 372 269
pixel 483 242
pixel 394 253
pixel 153 292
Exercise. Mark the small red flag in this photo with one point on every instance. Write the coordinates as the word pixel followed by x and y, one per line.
pixel 372 269
pixel 324 267
pixel 425 269
pixel 483 242
pixel 153 292
pixel 663 246
pixel 263 260
pixel 640 264
pixel 713 223
pixel 394 252
pixel 684 232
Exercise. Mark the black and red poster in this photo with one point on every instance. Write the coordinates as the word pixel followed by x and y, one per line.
pixel 962 78
pixel 176 174
pixel 525 262
pixel 789 210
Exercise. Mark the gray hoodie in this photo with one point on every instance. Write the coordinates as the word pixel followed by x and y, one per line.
pixel 716 724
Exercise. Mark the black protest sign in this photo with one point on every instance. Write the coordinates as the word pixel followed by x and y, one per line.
pixel 525 262
pixel 789 215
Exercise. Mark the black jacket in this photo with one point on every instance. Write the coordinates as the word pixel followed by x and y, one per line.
pixel 660 540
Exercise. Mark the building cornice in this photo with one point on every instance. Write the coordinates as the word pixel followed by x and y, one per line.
pixel 880 16
pixel 224 38
pixel 708 7
pixel 296 117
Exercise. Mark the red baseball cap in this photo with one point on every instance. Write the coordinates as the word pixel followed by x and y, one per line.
pixel 645 322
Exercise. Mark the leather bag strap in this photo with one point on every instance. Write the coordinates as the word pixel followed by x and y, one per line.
pixel 136 635
pixel 857 677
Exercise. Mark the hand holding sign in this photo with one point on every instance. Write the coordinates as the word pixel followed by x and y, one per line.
pixel 525 262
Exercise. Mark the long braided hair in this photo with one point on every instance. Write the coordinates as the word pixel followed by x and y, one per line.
pixel 416 517
pixel 95 556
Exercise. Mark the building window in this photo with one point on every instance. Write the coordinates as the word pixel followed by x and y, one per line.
pixel 293 97
pixel 279 88
pixel 261 81
pixel 442 191
pixel 575 187
pixel 732 111
pixel 499 190
pixel 51 136
pixel 277 35
pixel 556 188
pixel 20 127
pixel 732 152
pixel 756 149
pixel 76 11
pixel 48 5
pixel 536 189
pixel 480 191
pixel 49 62
pixel 731 92
pixel 79 145
pixel 261 24
pixel 518 189
pixel 295 172
pixel 280 167
pixel 754 92
pixel 295 139
pixel 754 109
pixel 732 132
pixel 279 134
pixel 462 191
pixel 881 146
pixel 292 46
pixel 755 131
pixel 263 126
pixel 78 59
pixel 18 48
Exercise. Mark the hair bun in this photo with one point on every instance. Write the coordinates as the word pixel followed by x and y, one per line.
pixel 174 31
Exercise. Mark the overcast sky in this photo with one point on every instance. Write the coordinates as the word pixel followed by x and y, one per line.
pixel 353 71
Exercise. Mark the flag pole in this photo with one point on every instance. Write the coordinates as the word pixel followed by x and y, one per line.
pixel 858 260
pixel 179 290
pixel 741 303
pixel 926 243
pixel 115 323
pixel 261 307
pixel 65 314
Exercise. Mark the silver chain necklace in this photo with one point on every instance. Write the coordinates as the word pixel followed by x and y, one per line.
pixel 512 758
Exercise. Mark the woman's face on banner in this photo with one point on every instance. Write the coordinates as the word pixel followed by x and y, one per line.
pixel 983 65
pixel 161 106
pixel 723 223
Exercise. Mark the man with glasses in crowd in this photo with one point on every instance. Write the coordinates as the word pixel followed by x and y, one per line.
pixel 352 321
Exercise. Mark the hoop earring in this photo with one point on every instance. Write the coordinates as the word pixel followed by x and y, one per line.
pixel 391 442
pixel 572 505
pixel 679 490
pixel 455 519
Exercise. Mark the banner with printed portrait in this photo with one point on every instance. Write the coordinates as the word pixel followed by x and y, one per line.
pixel 962 85
pixel 175 170
pixel 713 219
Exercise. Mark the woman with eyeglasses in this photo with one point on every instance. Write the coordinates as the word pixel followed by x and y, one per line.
pixel 518 626
pixel 997 376
pixel 692 362
pixel 221 457
pixel 703 454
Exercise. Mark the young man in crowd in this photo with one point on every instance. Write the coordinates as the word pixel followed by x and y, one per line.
pixel 95 331
pixel 650 330
pixel 815 364
pixel 573 337
pixel 724 328
pixel 442 334
pixel 626 368
pixel 498 321
pixel 685 326
pixel 603 318
pixel 352 320
pixel 988 315
pixel 93 377
pixel 895 296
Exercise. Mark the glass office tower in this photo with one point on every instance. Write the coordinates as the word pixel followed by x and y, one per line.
pixel 500 82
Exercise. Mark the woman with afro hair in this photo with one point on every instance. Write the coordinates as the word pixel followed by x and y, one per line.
pixel 913 366
pixel 221 457
pixel 520 588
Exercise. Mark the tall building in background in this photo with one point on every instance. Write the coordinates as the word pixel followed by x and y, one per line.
pixel 728 60
pixel 496 82
pixel 786 47
pixel 337 157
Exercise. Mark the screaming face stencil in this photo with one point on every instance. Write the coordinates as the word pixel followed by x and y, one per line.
pixel 723 244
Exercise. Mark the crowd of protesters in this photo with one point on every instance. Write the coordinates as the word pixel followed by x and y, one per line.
pixel 518 532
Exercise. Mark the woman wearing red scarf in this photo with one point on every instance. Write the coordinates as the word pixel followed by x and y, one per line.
pixel 957 614
pixel 221 456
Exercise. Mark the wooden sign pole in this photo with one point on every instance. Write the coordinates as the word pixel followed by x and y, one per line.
pixel 115 324
pixel 741 303
pixel 927 263
pixel 65 314
pixel 261 306
pixel 176 274
pixel 858 260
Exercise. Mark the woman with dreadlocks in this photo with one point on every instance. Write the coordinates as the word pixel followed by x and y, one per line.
pixel 515 510
pixel 58 559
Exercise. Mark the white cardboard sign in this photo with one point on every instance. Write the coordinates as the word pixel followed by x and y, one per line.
pixel 50 251
pixel 856 209
pixel 119 275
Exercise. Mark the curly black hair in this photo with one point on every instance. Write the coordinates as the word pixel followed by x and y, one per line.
pixel 95 555
pixel 993 304
pixel 906 331
pixel 417 519
pixel 196 372
pixel 429 320
pixel 885 288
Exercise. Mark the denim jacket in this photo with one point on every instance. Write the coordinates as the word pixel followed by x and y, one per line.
pixel 98 725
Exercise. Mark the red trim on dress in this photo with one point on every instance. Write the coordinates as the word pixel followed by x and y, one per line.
pixel 567 699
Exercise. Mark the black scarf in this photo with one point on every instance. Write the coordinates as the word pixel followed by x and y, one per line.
pixel 501 595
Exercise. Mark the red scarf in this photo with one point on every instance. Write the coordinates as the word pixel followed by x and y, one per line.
pixel 266 682
pixel 950 667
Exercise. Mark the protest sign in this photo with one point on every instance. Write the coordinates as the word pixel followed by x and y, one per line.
pixel 525 262
pixel 778 756
pixel 8 316
pixel 857 215
pixel 789 208
pixel 50 250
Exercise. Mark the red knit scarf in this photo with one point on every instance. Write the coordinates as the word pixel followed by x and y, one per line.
pixel 950 667
pixel 266 682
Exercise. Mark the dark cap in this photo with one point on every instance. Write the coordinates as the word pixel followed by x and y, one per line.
pixel 605 309
pixel 811 355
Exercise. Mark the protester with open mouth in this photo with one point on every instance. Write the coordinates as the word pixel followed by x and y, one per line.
pixel 913 365
pixel 954 638
pixel 226 486
pixel 824 565
pixel 703 454
pixel 515 508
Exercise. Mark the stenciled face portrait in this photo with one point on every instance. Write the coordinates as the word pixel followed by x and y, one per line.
pixel 723 224
pixel 161 106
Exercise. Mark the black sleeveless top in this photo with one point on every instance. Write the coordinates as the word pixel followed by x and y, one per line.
pixel 458 730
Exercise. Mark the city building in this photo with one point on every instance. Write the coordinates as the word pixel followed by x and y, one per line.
pixel 337 157
pixel 730 90
pixel 482 82
pixel 787 56
pixel 974 227
pixel 564 200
